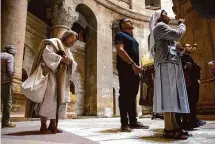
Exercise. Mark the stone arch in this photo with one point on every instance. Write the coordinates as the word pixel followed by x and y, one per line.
pixel 115 28
pixel 114 101
pixel 24 75
pixel 72 87
pixel 88 18
pixel 80 30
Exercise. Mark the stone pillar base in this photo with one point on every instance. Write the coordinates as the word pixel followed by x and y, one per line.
pixel 17 86
pixel 71 115
pixel 18 105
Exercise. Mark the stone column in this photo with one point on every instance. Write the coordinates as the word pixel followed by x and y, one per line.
pixel 62 18
pixel 14 14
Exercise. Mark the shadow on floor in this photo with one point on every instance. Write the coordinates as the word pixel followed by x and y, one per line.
pixel 117 130
pixel 157 136
pixel 25 133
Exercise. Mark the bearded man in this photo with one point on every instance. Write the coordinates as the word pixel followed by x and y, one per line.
pixel 56 60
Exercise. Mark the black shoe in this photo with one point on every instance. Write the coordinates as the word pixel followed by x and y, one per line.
pixel 126 128
pixel 200 123
pixel 138 125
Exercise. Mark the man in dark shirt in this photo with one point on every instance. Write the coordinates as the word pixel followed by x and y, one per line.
pixel 7 71
pixel 192 80
pixel 128 69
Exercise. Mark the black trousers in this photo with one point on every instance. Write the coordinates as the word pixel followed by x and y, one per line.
pixel 129 86
pixel 189 120
pixel 6 97
pixel 195 97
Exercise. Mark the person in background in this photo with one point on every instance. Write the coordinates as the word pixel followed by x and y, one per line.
pixel 192 80
pixel 170 95
pixel 211 66
pixel 7 72
pixel 128 69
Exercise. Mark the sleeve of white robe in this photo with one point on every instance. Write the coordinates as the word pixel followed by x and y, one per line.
pixel 73 66
pixel 51 59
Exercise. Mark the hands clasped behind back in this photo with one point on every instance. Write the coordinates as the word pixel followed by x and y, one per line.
pixel 136 69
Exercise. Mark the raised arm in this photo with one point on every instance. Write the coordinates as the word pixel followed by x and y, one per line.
pixel 163 31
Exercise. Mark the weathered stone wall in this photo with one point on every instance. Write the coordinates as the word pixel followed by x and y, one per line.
pixel 121 3
pixel 202 32
pixel 115 85
pixel 35 32
pixel 79 76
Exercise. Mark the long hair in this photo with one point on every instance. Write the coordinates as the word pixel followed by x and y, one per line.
pixel 68 34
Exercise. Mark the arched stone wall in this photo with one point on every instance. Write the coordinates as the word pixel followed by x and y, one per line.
pixel 90 60
pixel 202 32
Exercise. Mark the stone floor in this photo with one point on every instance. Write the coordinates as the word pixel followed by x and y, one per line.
pixel 103 131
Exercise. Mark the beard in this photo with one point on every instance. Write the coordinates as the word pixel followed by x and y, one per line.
pixel 70 44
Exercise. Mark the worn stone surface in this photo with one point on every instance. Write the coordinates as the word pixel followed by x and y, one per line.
pixel 103 131
pixel 201 32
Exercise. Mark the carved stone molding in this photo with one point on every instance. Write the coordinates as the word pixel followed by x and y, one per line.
pixel 126 12
pixel 122 11
pixel 61 14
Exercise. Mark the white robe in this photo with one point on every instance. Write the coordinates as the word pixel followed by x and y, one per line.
pixel 49 105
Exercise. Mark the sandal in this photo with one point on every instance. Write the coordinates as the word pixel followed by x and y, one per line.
pixel 175 134
pixel 45 131
pixel 55 130
pixel 184 132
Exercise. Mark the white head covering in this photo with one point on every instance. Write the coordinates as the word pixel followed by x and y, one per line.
pixel 152 22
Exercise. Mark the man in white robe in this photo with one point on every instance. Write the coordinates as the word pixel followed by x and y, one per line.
pixel 59 69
